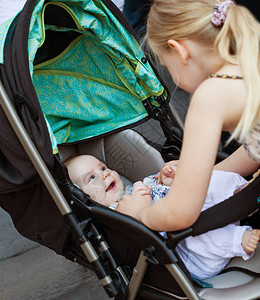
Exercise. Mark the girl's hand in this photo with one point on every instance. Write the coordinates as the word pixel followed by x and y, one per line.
pixel 167 173
pixel 140 188
pixel 256 174
pixel 133 205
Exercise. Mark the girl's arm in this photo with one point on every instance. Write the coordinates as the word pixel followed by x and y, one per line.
pixel 238 162
pixel 207 116
pixel 181 207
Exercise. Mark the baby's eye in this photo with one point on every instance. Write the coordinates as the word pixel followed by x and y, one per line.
pixel 92 177
pixel 103 168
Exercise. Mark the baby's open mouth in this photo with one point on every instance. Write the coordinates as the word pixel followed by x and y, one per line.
pixel 111 186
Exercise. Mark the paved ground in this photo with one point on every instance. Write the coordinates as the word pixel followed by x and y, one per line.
pixel 30 271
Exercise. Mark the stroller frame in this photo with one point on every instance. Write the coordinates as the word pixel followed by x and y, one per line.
pixel 76 227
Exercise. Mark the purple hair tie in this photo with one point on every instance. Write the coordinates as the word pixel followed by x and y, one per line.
pixel 220 12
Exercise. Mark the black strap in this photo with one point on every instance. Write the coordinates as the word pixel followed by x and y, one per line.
pixel 234 209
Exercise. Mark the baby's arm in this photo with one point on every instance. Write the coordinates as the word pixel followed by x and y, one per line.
pixel 140 188
pixel 239 241
pixel 225 242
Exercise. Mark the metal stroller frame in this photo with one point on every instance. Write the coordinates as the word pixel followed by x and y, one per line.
pixel 111 288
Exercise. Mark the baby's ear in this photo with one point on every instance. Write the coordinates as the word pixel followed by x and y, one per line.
pixel 181 48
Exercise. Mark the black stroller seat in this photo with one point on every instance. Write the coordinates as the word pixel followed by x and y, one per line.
pixel 126 152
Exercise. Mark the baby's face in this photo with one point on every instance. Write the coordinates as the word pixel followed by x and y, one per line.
pixel 95 179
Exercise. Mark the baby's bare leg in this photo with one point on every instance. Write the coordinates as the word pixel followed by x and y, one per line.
pixel 250 240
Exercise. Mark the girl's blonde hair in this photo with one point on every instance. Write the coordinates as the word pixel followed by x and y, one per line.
pixel 237 41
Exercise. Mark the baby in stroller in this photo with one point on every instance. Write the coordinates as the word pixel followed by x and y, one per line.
pixel 205 255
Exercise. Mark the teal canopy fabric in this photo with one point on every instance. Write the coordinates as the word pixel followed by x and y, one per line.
pixel 98 82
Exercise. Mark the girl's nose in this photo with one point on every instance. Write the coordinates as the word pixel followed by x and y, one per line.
pixel 105 173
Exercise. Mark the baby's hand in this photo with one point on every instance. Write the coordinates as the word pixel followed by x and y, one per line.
pixel 250 240
pixel 167 176
pixel 140 188
pixel 167 173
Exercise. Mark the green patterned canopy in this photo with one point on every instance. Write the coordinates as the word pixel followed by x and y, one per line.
pixel 97 83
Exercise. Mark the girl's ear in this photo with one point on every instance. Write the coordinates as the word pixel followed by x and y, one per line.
pixel 181 49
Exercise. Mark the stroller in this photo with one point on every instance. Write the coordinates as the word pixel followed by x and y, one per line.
pixel 74 80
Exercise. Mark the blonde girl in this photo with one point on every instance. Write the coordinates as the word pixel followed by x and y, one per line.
pixel 211 49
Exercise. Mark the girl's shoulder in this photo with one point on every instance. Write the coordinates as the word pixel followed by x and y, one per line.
pixel 222 97
pixel 228 82
pixel 216 90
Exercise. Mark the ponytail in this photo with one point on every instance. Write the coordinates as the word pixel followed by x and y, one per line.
pixel 238 43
